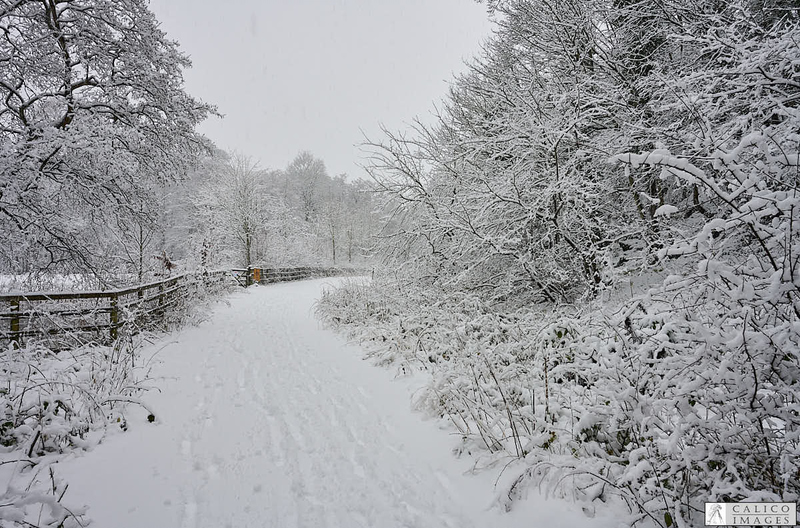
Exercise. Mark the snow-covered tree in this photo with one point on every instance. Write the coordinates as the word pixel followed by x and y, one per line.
pixel 511 186
pixel 335 213
pixel 358 221
pixel 234 207
pixel 309 179
pixel 92 116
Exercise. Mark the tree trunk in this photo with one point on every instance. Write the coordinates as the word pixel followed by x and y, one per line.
pixel 248 242
pixel 141 253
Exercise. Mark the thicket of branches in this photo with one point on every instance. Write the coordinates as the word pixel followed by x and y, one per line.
pixel 94 121
pixel 600 230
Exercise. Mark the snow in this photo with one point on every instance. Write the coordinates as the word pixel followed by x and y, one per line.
pixel 665 210
pixel 264 418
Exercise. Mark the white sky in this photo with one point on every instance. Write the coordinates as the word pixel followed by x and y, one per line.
pixel 294 75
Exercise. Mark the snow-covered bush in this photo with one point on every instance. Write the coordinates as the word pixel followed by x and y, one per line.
pixel 653 404
pixel 51 404
pixel 593 147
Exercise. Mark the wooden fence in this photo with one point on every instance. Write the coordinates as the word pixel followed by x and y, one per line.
pixel 270 275
pixel 64 320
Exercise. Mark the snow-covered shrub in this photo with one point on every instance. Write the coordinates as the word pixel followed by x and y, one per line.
pixel 718 345
pixel 482 362
pixel 661 406
pixel 50 404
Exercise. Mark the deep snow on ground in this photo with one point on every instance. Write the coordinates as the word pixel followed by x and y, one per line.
pixel 266 419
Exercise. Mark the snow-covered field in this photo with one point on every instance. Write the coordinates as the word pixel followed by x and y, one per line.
pixel 267 419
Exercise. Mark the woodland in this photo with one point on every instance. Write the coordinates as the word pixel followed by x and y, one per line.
pixel 590 251
pixel 593 253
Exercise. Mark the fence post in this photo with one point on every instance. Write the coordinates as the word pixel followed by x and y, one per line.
pixel 14 308
pixel 114 316
pixel 248 281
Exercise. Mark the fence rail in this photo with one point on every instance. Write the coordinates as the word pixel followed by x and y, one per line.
pixel 269 275
pixel 62 320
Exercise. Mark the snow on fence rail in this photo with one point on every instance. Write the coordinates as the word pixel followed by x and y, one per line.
pixel 62 320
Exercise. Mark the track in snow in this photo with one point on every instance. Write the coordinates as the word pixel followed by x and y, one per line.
pixel 266 419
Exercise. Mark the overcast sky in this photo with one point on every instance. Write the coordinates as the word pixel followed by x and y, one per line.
pixel 294 75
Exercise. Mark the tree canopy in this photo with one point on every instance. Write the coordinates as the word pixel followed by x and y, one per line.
pixel 93 116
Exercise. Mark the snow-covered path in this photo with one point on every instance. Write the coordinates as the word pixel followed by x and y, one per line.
pixel 267 419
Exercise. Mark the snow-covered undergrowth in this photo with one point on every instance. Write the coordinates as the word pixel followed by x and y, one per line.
pixel 680 396
pixel 54 403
